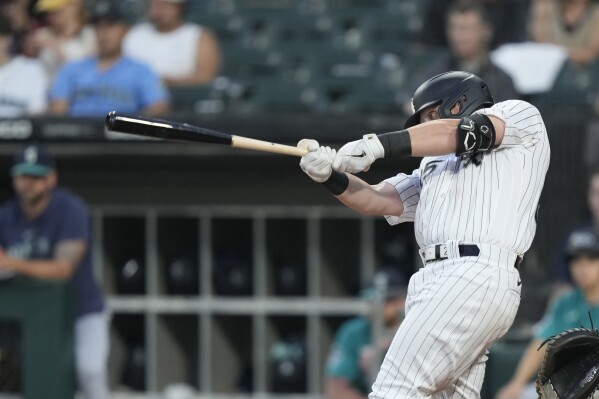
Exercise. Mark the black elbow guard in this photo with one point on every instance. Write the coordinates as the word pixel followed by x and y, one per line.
pixel 475 134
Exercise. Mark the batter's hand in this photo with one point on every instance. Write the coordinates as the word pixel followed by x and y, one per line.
pixel 318 162
pixel 357 156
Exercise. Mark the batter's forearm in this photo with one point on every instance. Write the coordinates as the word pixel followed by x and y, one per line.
pixel 379 200
pixel 434 138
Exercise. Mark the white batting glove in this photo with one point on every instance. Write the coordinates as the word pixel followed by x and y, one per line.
pixel 308 144
pixel 318 164
pixel 357 156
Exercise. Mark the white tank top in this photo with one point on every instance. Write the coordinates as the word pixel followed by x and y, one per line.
pixel 171 55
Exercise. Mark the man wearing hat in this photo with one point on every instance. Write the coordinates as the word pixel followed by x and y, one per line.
pixel 45 234
pixel 569 310
pixel 357 341
pixel 108 82
pixel 66 35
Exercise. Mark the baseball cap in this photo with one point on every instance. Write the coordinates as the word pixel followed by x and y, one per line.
pixel 32 160
pixel 109 11
pixel 583 242
pixel 51 5
pixel 395 284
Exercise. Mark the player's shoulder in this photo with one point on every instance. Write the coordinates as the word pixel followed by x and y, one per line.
pixel 511 106
pixel 569 299
pixel 67 199
pixel 354 327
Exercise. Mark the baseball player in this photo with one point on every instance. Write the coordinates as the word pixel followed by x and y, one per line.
pixel 473 201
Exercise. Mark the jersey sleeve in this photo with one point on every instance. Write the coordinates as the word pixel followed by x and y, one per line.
pixel 524 125
pixel 408 188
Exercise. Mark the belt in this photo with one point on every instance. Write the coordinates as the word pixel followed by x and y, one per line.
pixel 439 251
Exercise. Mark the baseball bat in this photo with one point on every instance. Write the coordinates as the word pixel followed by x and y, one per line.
pixel 169 130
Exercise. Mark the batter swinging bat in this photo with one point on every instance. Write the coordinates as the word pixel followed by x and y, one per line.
pixel 169 130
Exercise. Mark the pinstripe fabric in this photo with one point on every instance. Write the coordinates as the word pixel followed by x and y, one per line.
pixel 456 308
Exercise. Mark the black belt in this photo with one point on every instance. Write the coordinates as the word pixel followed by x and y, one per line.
pixel 464 250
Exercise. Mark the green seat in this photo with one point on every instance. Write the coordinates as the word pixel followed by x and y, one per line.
pixel 263 95
pixel 197 99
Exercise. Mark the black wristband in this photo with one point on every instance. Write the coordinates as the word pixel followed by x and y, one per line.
pixel 396 144
pixel 337 183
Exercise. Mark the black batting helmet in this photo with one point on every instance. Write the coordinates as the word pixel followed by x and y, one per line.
pixel 445 90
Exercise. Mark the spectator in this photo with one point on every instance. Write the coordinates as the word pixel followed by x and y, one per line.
pixel 24 85
pixel 67 37
pixel 562 277
pixel 573 24
pixel 352 357
pixel 469 33
pixel 505 16
pixel 567 311
pixel 181 53
pixel 109 82
pixel 21 21
pixel 45 234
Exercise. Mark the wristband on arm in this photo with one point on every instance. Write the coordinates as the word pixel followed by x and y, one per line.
pixel 337 183
pixel 396 144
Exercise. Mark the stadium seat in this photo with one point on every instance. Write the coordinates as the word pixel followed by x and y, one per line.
pixel 197 99
pixel 275 95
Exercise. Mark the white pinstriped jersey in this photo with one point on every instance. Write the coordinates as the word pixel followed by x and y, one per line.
pixel 494 203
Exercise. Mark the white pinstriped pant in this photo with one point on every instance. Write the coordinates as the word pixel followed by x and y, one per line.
pixel 455 309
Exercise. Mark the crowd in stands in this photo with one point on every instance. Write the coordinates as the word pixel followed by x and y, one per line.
pixel 69 57
pixel 317 55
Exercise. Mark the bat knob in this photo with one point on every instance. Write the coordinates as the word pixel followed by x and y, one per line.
pixel 110 119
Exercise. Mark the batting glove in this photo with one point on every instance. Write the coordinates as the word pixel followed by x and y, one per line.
pixel 318 164
pixel 357 156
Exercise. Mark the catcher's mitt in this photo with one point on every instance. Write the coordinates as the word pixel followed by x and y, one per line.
pixel 570 368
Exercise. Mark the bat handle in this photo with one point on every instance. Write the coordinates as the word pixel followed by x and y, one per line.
pixel 267 146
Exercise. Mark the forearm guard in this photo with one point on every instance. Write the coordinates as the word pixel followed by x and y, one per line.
pixel 476 134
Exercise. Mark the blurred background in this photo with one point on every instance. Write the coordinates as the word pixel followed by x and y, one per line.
pixel 228 272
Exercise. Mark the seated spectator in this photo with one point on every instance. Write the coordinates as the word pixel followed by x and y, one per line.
pixel 505 15
pixel 24 87
pixel 562 277
pixel 109 82
pixel 469 33
pixel 570 310
pixel 21 22
pixel 67 37
pixel 573 24
pixel 181 53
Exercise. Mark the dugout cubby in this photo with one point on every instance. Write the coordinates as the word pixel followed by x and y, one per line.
pixel 178 256
pixel 341 257
pixel 221 338
pixel 231 354
pixel 124 255
pixel 287 354
pixel 286 259
pixel 178 347
pixel 128 352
